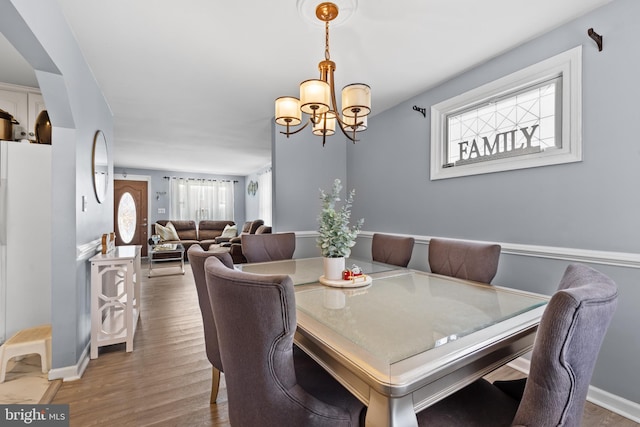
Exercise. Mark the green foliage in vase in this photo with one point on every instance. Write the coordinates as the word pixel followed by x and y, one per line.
pixel 336 236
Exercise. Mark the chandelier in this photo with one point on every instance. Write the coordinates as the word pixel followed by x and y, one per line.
pixel 318 97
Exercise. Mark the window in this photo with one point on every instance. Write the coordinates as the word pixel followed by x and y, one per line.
pixel 264 197
pixel 527 119
pixel 201 199
pixel 127 218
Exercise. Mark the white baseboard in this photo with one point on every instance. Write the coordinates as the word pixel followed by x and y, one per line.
pixel 611 402
pixel 74 372
pixel 520 364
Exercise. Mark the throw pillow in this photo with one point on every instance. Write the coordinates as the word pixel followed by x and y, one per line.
pixel 167 232
pixel 229 231
pixel 174 232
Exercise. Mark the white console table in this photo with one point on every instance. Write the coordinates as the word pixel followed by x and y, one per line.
pixel 115 297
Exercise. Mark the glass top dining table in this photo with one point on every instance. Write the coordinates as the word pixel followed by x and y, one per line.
pixel 410 338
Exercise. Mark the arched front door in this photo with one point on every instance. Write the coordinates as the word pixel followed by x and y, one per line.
pixel 130 213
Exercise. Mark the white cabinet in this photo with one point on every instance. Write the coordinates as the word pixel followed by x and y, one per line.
pixel 25 236
pixel 24 104
pixel 115 297
pixel 35 103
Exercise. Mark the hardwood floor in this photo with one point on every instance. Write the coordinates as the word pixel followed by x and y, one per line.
pixel 166 380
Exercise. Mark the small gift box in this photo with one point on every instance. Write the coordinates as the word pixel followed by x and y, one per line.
pixel 352 273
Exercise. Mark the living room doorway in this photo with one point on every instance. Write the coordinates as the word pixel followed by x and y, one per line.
pixel 131 213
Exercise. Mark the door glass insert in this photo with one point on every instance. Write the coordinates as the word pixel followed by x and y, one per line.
pixel 126 217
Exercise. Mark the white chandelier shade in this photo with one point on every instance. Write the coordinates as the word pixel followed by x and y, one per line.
pixel 356 100
pixel 288 111
pixel 326 126
pixel 315 96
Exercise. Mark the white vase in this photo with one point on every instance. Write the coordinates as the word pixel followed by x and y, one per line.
pixel 333 268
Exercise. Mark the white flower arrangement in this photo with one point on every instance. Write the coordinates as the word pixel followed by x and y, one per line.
pixel 336 236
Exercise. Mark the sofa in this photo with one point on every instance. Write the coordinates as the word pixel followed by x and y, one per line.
pixel 234 245
pixel 203 233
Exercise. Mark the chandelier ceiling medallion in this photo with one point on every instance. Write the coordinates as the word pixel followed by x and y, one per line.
pixel 318 97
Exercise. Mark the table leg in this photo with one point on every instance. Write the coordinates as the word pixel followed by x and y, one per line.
pixel 384 411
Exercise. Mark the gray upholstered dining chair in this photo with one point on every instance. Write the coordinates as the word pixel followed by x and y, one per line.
pixel 256 320
pixel 464 260
pixel 197 256
pixel 564 354
pixel 268 247
pixel 309 372
pixel 395 250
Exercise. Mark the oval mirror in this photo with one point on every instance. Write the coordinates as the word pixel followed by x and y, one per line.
pixel 100 166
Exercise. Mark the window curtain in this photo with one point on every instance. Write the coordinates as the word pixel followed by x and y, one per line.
pixel 264 197
pixel 199 199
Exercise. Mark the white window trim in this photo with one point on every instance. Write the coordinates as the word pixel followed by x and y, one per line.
pixel 567 64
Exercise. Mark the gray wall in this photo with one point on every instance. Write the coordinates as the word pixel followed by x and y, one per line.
pixel 301 167
pixel 77 109
pixel 557 210
pixel 252 202
pixel 580 205
pixel 157 184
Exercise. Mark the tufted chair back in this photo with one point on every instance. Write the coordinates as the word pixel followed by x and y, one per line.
pixel 268 247
pixel 256 319
pixel 395 250
pixel 567 345
pixel 464 260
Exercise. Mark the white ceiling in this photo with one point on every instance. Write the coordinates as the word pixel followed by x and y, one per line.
pixel 191 84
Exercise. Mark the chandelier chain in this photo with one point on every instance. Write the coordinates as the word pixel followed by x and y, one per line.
pixel 327 55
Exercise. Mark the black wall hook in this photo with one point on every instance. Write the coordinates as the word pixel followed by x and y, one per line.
pixel 420 110
pixel 596 37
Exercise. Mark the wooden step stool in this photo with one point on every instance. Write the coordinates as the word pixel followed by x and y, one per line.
pixel 27 341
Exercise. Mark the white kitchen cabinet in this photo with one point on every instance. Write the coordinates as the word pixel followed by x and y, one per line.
pixel 35 103
pixel 16 104
pixel 24 104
